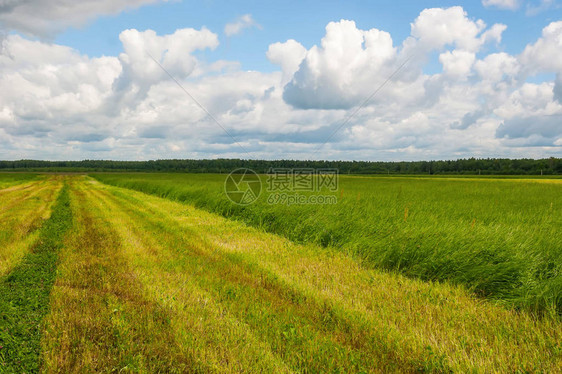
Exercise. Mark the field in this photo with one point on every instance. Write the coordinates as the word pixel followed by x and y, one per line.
pixel 161 273
pixel 501 238
pixel 10 179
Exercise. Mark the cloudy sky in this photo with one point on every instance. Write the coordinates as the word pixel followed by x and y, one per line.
pixel 150 79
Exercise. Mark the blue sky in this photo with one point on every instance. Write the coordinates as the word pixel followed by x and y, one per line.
pixel 281 20
pixel 76 81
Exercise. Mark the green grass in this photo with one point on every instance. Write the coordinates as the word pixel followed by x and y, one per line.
pixel 500 238
pixel 10 179
pixel 24 294
pixel 121 281
pixel 23 209
pixel 149 285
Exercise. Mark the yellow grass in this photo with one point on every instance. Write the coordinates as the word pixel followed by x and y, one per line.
pixel 148 285
pixel 23 208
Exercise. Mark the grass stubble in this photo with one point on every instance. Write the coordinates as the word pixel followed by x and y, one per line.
pixel 98 311
pixel 25 289
pixel 8 179
pixel 120 281
pixel 500 238
pixel 151 285
pixel 23 209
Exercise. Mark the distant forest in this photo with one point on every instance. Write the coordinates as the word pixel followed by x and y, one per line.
pixel 474 166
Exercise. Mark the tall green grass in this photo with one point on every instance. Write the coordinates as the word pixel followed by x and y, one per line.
pixel 500 238
pixel 9 179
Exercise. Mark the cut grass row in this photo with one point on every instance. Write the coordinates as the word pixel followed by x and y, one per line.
pixel 22 212
pixel 24 293
pixel 150 285
pixel 11 179
pixel 500 238
pixel 99 319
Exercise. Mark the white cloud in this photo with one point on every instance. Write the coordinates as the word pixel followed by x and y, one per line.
pixel 343 69
pixel 557 90
pixel 172 52
pixel 350 63
pixel 47 17
pixel 496 66
pixel 57 103
pixel 288 56
pixel 546 52
pixel 244 22
pixel 502 4
pixel 437 27
pixel 457 63
pixel 546 127
pixel 50 76
pixel 494 34
pixel 530 99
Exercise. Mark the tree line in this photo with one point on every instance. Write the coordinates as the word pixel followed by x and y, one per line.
pixel 469 166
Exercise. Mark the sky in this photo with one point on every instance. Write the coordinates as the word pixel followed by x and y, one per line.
pixel 335 80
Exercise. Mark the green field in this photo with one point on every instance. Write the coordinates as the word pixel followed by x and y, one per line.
pixel 11 179
pixel 161 273
pixel 501 238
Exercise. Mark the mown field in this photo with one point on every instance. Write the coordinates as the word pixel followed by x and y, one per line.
pixel 500 238
pixel 109 279
pixel 10 179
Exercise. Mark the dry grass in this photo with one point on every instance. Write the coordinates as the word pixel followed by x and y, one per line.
pixel 499 237
pixel 151 285
pixel 25 290
pixel 99 319
pixel 144 284
pixel 23 208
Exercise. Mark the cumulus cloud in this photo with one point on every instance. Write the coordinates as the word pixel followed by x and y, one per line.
pixel 57 103
pixel 546 52
pixel 350 63
pixel 436 28
pixel 558 88
pixel 457 63
pixel 343 69
pixel 61 96
pixel 287 55
pixel 244 22
pixel 548 127
pixel 55 95
pixel 469 119
pixel 148 58
pixel 44 77
pixel 497 66
pixel 47 17
pixel 545 55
